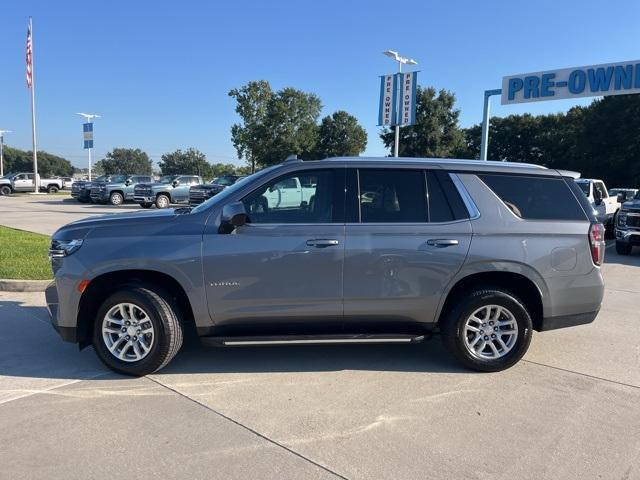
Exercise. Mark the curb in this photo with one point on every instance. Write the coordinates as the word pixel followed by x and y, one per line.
pixel 23 285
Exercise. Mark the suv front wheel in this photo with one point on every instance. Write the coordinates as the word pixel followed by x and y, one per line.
pixel 137 330
pixel 116 198
pixel 488 330
pixel 163 201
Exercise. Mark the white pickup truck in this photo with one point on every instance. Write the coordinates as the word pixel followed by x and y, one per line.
pixel 289 193
pixel 23 182
pixel 605 205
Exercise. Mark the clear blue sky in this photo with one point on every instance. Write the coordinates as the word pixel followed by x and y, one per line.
pixel 159 72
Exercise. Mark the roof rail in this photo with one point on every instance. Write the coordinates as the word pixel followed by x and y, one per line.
pixel 291 158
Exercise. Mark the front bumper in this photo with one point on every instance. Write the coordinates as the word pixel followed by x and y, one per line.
pixel 99 196
pixel 81 195
pixel 144 199
pixel 631 237
pixel 68 334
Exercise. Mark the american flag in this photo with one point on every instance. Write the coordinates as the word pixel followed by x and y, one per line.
pixel 29 66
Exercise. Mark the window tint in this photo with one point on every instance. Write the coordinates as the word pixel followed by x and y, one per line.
pixel 584 186
pixel 602 189
pixel 319 200
pixel 392 196
pixel 536 198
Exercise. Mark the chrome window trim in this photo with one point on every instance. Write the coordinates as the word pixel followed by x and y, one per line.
pixel 472 209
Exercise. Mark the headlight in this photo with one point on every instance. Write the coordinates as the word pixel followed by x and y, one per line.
pixel 64 248
pixel 622 219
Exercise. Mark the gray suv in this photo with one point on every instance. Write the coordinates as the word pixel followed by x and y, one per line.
pixel 364 251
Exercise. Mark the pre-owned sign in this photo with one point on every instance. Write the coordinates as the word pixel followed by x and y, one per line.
pixel 590 81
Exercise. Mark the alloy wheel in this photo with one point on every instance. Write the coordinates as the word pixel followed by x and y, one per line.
pixel 127 332
pixel 490 332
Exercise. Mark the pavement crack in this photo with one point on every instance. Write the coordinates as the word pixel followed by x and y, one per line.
pixel 583 374
pixel 249 429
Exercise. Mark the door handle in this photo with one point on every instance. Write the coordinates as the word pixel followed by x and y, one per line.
pixel 322 242
pixel 442 242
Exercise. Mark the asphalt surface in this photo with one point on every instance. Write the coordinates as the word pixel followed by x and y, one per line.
pixel 45 213
pixel 569 410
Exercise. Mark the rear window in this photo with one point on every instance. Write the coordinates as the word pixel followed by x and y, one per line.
pixel 535 198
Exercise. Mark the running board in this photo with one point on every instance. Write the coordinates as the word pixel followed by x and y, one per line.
pixel 310 340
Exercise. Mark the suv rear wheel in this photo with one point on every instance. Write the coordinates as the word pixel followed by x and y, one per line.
pixel 489 330
pixel 137 330
pixel 162 201
pixel 116 198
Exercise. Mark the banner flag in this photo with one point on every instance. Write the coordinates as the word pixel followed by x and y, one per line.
pixel 407 110
pixel 87 129
pixel 387 112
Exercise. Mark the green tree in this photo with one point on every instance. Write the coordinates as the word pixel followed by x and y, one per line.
pixel 188 162
pixel 340 134
pixel 219 169
pixel 49 165
pixel 274 125
pixel 126 161
pixel 290 126
pixel 436 132
pixel 251 105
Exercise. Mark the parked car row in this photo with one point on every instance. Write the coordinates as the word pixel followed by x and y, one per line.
pixel 141 189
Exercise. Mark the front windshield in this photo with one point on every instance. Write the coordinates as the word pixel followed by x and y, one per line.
pixel 222 196
pixel 102 178
pixel 224 181
pixel 10 175
pixel 585 187
pixel 168 178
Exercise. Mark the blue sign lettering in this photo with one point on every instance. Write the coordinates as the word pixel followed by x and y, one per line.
pixel 577 81
pixel 595 80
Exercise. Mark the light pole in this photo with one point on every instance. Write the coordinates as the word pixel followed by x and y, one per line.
pixel 89 117
pixel 401 60
pixel 2 132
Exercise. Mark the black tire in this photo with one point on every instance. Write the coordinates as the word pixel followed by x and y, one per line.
pixel 163 314
pixel 52 189
pixel 146 205
pixel 623 248
pixel 162 201
pixel 116 199
pixel 454 321
pixel 5 190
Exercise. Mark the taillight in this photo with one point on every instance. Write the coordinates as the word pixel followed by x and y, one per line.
pixel 596 242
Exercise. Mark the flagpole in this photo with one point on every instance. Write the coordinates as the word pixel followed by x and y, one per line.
pixel 36 183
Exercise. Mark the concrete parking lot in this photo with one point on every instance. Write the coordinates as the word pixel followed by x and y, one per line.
pixel 569 410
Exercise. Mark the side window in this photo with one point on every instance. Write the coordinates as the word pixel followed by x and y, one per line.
pixel 308 196
pixel 392 196
pixel 445 204
pixel 535 198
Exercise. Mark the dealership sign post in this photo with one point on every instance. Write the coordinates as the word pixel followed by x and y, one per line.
pixel 620 78
pixel 397 101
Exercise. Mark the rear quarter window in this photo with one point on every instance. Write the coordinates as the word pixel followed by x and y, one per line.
pixel 536 198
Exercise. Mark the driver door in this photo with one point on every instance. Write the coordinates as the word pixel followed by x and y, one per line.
pixel 284 268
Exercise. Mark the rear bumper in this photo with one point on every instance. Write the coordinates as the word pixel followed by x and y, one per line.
pixel 564 321
pixel 68 334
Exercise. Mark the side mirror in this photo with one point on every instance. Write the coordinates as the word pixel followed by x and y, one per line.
pixel 234 215
pixel 621 198
pixel 175 183
pixel 127 182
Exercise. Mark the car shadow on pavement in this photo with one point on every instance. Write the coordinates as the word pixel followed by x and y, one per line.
pixel 631 260
pixel 29 347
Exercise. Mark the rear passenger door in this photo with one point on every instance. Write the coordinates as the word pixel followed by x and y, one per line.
pixel 407 236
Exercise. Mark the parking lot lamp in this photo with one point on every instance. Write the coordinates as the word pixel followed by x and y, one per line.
pixel 2 132
pixel 406 61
